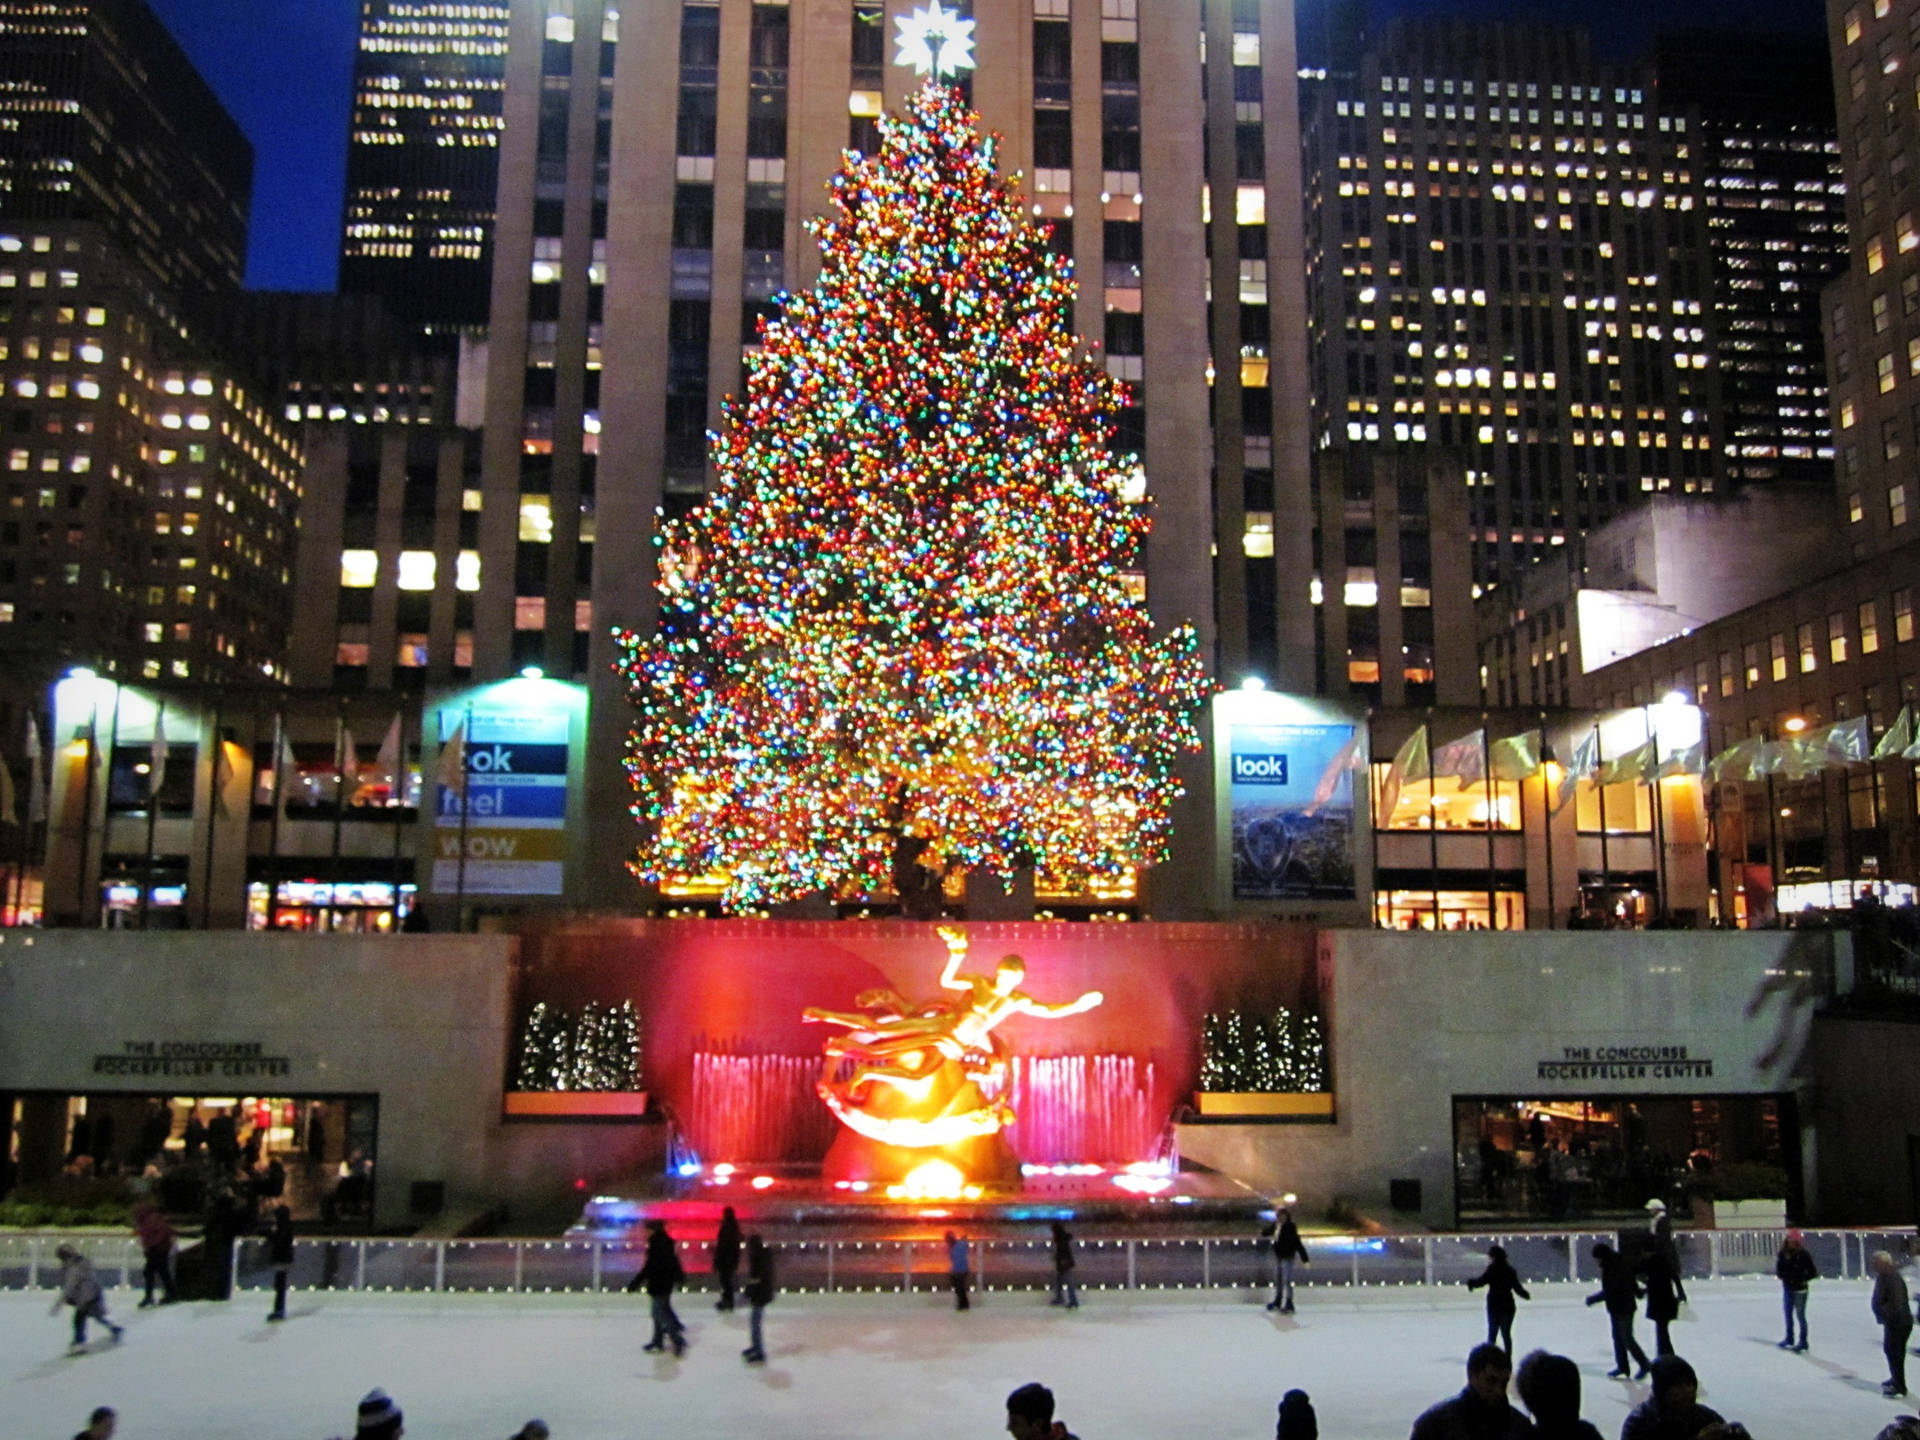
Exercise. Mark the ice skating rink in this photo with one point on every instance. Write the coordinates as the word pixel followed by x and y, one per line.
pixel 475 1367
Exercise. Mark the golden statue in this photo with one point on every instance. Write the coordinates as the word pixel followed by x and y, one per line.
pixel 934 1074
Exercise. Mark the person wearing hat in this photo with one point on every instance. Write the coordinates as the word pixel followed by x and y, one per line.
pixel 378 1418
pixel 1796 1270
pixel 1660 1224
pixel 80 1288
pixel 1891 1310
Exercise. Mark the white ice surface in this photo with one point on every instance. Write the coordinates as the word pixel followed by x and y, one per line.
pixel 905 1368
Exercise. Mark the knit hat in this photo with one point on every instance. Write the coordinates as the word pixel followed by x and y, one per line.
pixel 378 1414
pixel 1795 1237
pixel 1656 1203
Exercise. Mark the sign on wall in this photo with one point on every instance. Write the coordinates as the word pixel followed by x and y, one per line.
pixel 1287 769
pixel 512 749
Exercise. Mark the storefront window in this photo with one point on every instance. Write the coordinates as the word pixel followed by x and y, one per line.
pixel 1447 804
pixel 1457 910
pixel 356 908
pixel 1628 808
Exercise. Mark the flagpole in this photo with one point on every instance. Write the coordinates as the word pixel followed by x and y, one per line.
pixel 460 885
pixel 273 832
pixel 153 805
pixel 340 762
pixel 1773 829
pixel 1660 906
pixel 1493 805
pixel 214 798
pixel 396 802
pixel 1433 831
pixel 1546 817
pixel 1606 866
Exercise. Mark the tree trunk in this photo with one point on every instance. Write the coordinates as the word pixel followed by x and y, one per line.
pixel 921 892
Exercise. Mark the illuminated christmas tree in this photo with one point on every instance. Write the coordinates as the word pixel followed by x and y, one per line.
pixel 897 640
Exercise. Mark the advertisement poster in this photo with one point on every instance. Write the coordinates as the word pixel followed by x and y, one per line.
pixel 515 775
pixel 1290 787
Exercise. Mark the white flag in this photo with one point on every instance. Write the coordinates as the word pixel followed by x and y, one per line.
pixel 451 772
pixel 1898 737
pixel 157 756
pixel 1585 758
pixel 1516 757
pixel 1688 761
pixel 346 773
pixel 286 770
pixel 387 762
pixel 1635 767
pixel 1465 759
pixel 222 773
pixel 1409 765
pixel 1849 741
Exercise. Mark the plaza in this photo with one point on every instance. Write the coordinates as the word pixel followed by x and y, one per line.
pixel 852 1365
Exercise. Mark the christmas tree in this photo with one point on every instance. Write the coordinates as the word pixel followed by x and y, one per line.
pixel 896 641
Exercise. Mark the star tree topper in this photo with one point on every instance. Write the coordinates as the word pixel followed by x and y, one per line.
pixel 935 39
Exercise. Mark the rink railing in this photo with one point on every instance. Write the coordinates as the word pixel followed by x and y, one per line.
pixel 853 1266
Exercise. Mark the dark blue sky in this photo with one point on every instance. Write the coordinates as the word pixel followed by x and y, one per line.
pixel 284 68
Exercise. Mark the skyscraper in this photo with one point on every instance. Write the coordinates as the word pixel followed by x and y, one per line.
pixel 422 158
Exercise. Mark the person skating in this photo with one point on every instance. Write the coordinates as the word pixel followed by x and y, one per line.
pixel 760 1293
pixel 1673 1411
pixel 155 1234
pixel 1620 1292
pixel 378 1418
pixel 1297 1420
pixel 957 1273
pixel 1549 1387
pixel 280 1256
pixel 100 1424
pixel 726 1257
pixel 1663 1298
pixel 1502 1283
pixel 1066 1289
pixel 1796 1271
pixel 80 1288
pixel 1288 1249
pixel 1660 1226
pixel 659 1275
pixel 1891 1309
pixel 1481 1411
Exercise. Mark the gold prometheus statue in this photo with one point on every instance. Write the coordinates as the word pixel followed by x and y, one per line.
pixel 936 1073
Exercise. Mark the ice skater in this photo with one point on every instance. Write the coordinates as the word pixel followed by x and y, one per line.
pixel 1660 1226
pixel 1663 1298
pixel 1066 1290
pixel 957 1271
pixel 280 1256
pixel 659 1276
pixel 1620 1292
pixel 1796 1271
pixel 80 1288
pixel 760 1292
pixel 155 1234
pixel 1288 1249
pixel 1891 1309
pixel 1501 1282
pixel 726 1257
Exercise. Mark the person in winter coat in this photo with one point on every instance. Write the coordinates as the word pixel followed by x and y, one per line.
pixel 1663 1298
pixel 1673 1411
pixel 80 1288
pixel 1501 1282
pixel 100 1424
pixel 760 1292
pixel 659 1276
pixel 1620 1293
pixel 1297 1420
pixel 726 1257
pixel 957 1272
pixel 378 1418
pixel 1481 1411
pixel 1891 1309
pixel 280 1256
pixel 155 1235
pixel 1660 1226
pixel 1287 1249
pixel 1066 1290
pixel 1549 1387
pixel 1795 1268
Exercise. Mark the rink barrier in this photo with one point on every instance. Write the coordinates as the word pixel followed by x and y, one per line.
pixel 1220 1263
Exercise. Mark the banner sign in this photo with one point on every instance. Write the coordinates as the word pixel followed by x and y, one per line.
pixel 515 826
pixel 1290 788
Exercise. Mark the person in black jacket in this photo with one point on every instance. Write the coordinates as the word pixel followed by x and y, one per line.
pixel 726 1257
pixel 1663 1298
pixel 1549 1387
pixel 659 1276
pixel 1674 1408
pixel 1796 1270
pixel 1502 1283
pixel 1481 1411
pixel 1066 1290
pixel 280 1256
pixel 759 1295
pixel 1287 1248
pixel 1620 1292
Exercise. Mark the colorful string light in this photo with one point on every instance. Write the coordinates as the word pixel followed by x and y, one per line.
pixel 898 630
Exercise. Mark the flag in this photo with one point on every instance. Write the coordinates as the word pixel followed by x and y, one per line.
pixel 387 762
pixel 1736 761
pixel 222 772
pixel 8 815
pixel 1689 760
pixel 1769 758
pixel 36 778
pixel 1345 760
pixel 451 773
pixel 1634 767
pixel 1899 736
pixel 1848 741
pixel 346 772
pixel 1409 764
pixel 1586 756
pixel 1465 759
pixel 286 770
pixel 1516 757
pixel 157 756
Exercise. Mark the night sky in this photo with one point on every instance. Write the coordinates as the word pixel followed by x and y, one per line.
pixel 284 68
